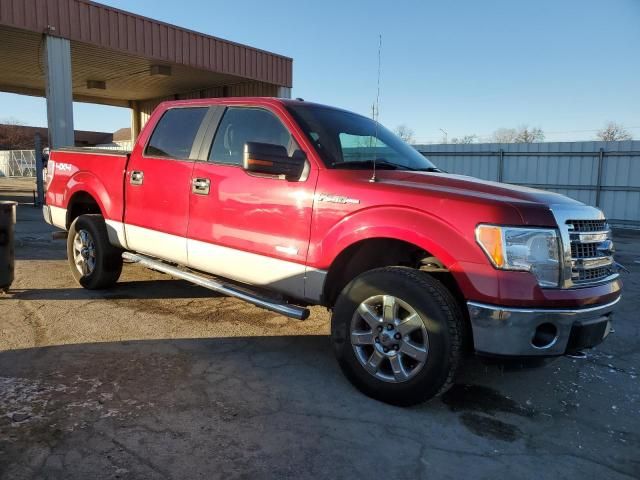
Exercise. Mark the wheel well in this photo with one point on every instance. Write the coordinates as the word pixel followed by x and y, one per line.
pixel 81 203
pixel 385 252
pixel 382 252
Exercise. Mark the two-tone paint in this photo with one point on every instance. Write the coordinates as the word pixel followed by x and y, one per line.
pixel 287 234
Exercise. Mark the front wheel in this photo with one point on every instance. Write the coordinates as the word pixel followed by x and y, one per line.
pixel 94 262
pixel 397 335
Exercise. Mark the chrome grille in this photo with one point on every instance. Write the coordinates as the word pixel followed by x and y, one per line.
pixel 584 250
pixel 593 274
pixel 587 225
pixel 591 251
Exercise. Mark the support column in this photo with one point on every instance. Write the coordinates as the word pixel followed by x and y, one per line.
pixel 284 92
pixel 57 61
pixel 136 121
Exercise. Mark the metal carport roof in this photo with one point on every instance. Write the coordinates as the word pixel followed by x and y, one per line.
pixel 119 48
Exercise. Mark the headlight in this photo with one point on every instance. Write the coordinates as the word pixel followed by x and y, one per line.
pixel 534 250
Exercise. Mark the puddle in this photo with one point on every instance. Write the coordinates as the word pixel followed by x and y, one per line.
pixel 479 407
pixel 488 427
pixel 482 399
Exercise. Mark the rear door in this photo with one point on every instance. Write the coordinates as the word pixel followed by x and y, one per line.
pixel 248 227
pixel 158 185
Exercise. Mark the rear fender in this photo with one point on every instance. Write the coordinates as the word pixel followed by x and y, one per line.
pixel 89 183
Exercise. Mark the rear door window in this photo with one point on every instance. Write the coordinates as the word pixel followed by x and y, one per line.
pixel 175 133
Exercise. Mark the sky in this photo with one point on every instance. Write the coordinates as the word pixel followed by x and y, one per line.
pixel 463 66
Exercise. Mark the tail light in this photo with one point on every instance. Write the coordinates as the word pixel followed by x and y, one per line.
pixel 48 172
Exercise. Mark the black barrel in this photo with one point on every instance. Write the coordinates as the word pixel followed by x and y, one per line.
pixel 7 243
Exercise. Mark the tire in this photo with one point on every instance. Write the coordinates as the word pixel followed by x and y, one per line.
pixel 101 263
pixel 426 344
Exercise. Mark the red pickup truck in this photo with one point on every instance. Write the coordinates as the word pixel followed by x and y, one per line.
pixel 287 203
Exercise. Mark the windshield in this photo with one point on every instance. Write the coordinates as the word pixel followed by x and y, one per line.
pixel 347 140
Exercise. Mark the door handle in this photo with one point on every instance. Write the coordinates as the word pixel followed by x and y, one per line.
pixel 136 177
pixel 200 186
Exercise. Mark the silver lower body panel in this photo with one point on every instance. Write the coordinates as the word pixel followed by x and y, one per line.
pixel 46 213
pixel 510 331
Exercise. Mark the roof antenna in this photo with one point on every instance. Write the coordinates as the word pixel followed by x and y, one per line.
pixel 375 112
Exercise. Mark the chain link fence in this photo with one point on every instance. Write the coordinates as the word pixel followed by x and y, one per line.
pixel 17 163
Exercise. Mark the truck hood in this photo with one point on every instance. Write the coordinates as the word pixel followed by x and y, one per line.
pixel 462 185
pixel 532 205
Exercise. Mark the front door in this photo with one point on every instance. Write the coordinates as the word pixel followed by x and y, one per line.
pixel 158 185
pixel 247 227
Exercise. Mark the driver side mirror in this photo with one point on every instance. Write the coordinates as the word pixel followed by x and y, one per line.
pixel 270 159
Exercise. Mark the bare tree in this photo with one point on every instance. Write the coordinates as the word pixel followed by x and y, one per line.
pixel 13 136
pixel 529 135
pixel 465 139
pixel 405 133
pixel 613 132
pixel 505 135
pixel 523 134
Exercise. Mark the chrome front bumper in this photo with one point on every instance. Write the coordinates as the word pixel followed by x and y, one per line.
pixel 515 331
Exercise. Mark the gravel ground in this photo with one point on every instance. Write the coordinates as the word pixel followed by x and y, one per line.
pixel 160 379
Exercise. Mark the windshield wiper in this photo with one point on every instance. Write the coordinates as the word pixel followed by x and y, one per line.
pixel 382 163
pixel 369 164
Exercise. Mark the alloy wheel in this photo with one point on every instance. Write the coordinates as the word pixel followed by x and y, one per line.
pixel 389 338
pixel 84 252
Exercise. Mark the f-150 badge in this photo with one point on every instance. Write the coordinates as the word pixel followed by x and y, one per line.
pixel 324 197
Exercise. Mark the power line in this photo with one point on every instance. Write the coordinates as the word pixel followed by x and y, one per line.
pixel 546 133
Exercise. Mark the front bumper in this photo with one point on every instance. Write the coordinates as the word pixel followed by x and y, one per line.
pixel 537 332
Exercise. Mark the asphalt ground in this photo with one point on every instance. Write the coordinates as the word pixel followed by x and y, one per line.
pixel 157 378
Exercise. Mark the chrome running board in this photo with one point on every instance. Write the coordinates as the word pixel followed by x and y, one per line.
pixel 291 311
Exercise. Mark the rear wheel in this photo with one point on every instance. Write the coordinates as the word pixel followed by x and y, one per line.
pixel 94 262
pixel 397 335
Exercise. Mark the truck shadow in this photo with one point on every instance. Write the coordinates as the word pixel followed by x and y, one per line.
pixel 39 249
pixel 245 375
pixel 141 289
pixel 214 394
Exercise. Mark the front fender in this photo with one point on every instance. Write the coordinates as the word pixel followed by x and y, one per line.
pixel 453 245
pixel 442 239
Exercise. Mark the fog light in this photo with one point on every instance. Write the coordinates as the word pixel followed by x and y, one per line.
pixel 545 335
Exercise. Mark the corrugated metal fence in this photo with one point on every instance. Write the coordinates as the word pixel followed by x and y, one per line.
pixel 128 146
pixel 602 174
pixel 17 163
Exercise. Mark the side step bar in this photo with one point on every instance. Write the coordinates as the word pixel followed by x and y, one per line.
pixel 292 311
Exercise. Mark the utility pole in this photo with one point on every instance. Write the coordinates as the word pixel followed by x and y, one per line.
pixel 446 135
pixel 39 168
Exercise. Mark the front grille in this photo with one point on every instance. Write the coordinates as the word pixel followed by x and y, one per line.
pixel 584 250
pixel 591 260
pixel 587 225
pixel 592 274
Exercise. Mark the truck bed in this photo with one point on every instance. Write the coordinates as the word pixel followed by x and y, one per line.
pixel 98 172
pixel 95 150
